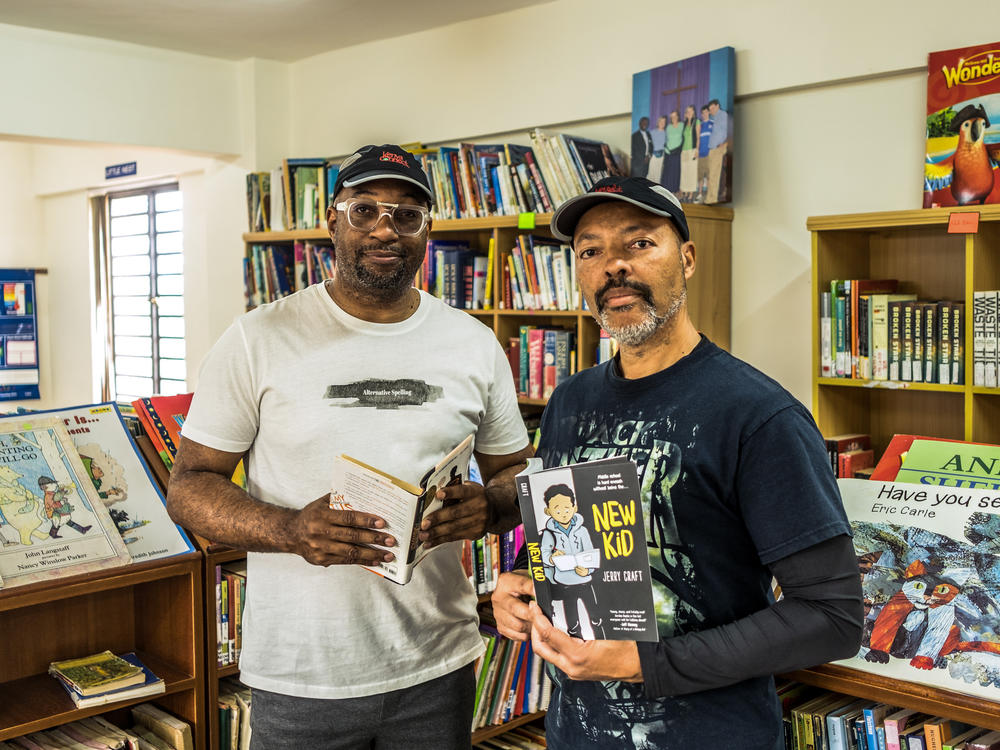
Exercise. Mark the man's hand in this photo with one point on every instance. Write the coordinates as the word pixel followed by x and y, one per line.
pixel 324 536
pixel 465 516
pixel 583 660
pixel 510 605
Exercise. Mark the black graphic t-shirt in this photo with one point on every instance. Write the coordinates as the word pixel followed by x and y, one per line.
pixel 734 476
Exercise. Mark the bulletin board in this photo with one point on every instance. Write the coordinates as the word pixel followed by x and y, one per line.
pixel 18 335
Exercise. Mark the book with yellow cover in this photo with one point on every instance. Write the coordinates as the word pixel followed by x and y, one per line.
pixel 97 673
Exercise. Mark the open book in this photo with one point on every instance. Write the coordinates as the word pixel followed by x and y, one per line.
pixel 358 486
pixel 586 542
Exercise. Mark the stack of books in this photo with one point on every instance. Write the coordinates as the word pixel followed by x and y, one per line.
pixel 105 678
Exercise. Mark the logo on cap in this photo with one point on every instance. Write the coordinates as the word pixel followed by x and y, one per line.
pixel 609 189
pixel 397 158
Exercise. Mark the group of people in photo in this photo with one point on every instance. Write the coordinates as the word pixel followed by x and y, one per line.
pixel 686 156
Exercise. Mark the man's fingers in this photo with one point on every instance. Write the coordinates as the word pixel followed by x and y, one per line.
pixel 357 519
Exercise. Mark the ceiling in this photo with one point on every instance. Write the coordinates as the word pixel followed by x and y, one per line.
pixel 284 30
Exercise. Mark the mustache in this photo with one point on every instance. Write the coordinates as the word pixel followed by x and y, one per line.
pixel 620 282
pixel 380 248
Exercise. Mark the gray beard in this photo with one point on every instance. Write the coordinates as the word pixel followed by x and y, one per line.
pixel 639 333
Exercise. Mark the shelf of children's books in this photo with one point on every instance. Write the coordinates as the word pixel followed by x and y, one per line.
pixel 68 587
pixel 494 729
pixel 39 702
pixel 895 692
pixel 892 385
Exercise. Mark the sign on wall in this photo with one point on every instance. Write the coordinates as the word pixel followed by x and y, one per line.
pixel 18 335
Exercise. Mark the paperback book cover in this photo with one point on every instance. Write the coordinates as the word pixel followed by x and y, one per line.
pixel 358 486
pixel 52 521
pixel 96 673
pixel 136 685
pixel 682 126
pixel 586 542
pixel 930 570
pixel 123 481
pixel 945 463
pixel 963 127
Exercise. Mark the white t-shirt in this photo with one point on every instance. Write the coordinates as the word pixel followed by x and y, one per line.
pixel 299 381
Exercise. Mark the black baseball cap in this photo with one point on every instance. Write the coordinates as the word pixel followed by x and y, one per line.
pixel 385 162
pixel 638 191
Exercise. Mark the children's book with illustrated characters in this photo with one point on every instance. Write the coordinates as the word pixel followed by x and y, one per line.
pixel 358 486
pixel 123 481
pixel 963 127
pixel 586 544
pixel 52 521
pixel 929 558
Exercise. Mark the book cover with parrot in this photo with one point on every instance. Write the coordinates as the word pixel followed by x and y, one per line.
pixel 963 127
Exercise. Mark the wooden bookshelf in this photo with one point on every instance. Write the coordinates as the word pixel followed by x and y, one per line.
pixel 915 248
pixel 709 291
pixel 153 608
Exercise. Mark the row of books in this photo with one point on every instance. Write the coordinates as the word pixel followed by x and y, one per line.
pixel 508 179
pixel 234 714
pixel 850 454
pixel 486 558
pixel 540 359
pixel 293 195
pixel 815 718
pixel 525 737
pixel 539 274
pixel 510 681
pixel 152 729
pixel 871 334
pixel 457 274
pixel 230 596
pixel 985 333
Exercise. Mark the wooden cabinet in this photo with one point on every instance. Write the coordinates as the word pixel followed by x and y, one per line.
pixel 916 248
pixel 153 608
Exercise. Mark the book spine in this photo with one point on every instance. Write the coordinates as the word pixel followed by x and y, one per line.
pixel 825 336
pixel 842 352
pixel 536 344
pixel 990 347
pixel 906 365
pixel 918 342
pixel 957 344
pixel 930 342
pixel 979 338
pixel 536 175
pixel 895 339
pixel 944 343
pixel 549 363
pixel 523 332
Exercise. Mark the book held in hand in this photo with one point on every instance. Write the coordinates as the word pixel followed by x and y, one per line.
pixel 358 486
pixel 586 540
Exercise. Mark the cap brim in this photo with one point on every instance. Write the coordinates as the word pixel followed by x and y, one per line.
pixel 566 217
pixel 388 175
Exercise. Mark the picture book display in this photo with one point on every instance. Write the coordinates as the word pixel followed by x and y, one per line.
pixel 358 486
pixel 52 520
pixel 682 126
pixel 123 481
pixel 896 452
pixel 586 542
pixel 930 569
pixel 944 463
pixel 963 127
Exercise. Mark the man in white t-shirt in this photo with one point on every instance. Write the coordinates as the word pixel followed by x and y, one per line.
pixel 366 365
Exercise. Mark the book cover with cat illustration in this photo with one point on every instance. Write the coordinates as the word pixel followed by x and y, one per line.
pixel 929 558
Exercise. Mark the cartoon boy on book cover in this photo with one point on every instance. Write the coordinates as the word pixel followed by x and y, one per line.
pixel 564 536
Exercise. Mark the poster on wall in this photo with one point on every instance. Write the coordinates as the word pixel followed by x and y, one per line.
pixel 963 127
pixel 18 336
pixel 682 126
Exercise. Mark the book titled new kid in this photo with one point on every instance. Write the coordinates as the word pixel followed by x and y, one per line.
pixel 586 542
pixel 358 486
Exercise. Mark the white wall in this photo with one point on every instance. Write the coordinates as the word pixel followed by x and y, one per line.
pixel 803 146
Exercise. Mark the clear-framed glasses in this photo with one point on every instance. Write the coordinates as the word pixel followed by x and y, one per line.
pixel 363 214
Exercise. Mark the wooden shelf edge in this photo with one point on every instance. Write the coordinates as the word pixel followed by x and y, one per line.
pixel 909 217
pixel 99 580
pixel 494 729
pixel 967 708
pixel 894 385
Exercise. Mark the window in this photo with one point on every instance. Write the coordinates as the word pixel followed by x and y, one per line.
pixel 144 267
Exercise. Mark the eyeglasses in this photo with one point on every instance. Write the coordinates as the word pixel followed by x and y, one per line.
pixel 364 215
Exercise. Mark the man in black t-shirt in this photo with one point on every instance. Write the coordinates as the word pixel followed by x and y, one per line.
pixel 736 488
